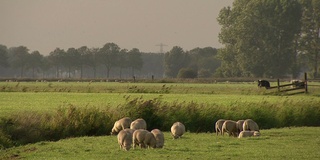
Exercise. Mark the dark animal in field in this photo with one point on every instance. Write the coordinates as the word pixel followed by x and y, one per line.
pixel 264 83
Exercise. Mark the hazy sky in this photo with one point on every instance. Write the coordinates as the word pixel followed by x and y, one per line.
pixel 44 25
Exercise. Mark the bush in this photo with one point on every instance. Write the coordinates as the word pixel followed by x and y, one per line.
pixel 187 73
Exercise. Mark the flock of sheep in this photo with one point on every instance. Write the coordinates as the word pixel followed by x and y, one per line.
pixel 134 133
pixel 240 128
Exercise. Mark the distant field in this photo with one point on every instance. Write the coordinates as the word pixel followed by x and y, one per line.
pixel 284 143
pixel 45 96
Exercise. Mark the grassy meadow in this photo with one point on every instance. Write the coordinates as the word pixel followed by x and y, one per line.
pixel 53 105
pixel 284 143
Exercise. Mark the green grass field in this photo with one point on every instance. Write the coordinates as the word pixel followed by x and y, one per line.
pixel 284 143
pixel 44 97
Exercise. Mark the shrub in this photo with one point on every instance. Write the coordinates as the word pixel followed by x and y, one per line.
pixel 187 73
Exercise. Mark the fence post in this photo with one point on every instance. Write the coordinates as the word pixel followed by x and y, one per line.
pixel 305 82
pixel 278 82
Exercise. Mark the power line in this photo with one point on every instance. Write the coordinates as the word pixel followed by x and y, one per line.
pixel 161 47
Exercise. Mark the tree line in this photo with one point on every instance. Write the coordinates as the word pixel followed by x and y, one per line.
pixel 261 38
pixel 110 61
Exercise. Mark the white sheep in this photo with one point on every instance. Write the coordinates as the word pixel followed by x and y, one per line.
pixel 248 134
pixel 230 127
pixel 177 130
pixel 121 124
pixel 144 139
pixel 159 137
pixel 218 126
pixel 125 139
pixel 138 124
pixel 250 125
pixel 240 125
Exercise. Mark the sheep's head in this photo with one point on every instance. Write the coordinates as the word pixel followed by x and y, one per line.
pixel 256 133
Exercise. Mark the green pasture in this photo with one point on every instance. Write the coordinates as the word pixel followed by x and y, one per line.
pixel 230 99
pixel 11 102
pixel 45 96
pixel 285 143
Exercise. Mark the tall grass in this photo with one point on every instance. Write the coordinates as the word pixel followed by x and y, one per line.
pixel 72 121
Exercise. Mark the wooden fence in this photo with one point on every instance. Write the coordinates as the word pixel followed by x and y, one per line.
pixel 301 87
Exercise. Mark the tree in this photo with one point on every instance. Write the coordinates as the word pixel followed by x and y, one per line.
pixel 88 58
pixel 204 60
pixel 3 56
pixel 123 59
pixel 71 60
pixel 174 61
pixel 35 62
pixel 84 53
pixel 45 65
pixel 134 60
pixel 19 58
pixel 259 36
pixel 56 59
pixel 310 34
pixel 108 56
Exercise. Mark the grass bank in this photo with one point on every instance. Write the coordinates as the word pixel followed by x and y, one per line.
pixel 283 143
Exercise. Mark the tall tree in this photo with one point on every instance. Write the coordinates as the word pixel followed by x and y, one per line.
pixel 20 57
pixel 35 62
pixel 123 61
pixel 3 56
pixel 260 36
pixel 310 34
pixel 134 60
pixel 175 60
pixel 108 56
pixel 72 60
pixel 56 59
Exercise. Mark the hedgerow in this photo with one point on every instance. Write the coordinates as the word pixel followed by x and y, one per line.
pixel 72 121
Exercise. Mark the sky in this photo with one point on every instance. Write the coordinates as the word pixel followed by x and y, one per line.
pixel 44 25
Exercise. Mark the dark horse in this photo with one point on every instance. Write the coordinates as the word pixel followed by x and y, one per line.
pixel 264 83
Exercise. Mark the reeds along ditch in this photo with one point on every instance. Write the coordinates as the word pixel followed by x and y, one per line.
pixel 72 121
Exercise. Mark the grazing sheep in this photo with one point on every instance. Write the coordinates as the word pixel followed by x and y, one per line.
pixel 177 130
pixel 248 134
pixel 218 126
pixel 297 84
pixel 250 125
pixel 121 124
pixel 125 139
pixel 138 124
pixel 240 125
pixel 159 137
pixel 230 127
pixel 144 139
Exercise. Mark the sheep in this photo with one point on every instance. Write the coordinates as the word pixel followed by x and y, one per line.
pixel 248 134
pixel 159 138
pixel 125 139
pixel 121 124
pixel 240 125
pixel 250 125
pixel 218 126
pixel 297 84
pixel 138 124
pixel 144 139
pixel 230 127
pixel 177 130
